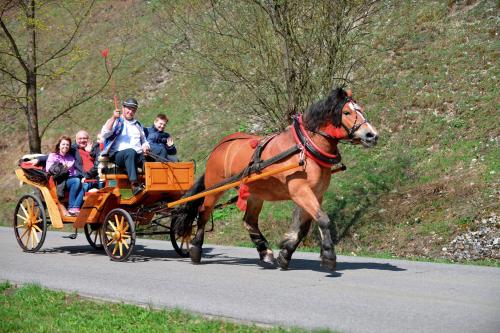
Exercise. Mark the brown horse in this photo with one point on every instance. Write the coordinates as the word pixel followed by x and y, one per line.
pixel 316 135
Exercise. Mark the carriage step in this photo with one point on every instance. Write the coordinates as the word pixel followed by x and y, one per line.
pixel 72 236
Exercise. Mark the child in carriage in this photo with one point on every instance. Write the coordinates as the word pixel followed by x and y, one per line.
pixel 161 143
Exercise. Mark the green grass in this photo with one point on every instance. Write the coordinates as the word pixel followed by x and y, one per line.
pixel 31 308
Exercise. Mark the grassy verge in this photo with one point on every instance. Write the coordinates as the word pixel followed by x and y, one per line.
pixel 32 308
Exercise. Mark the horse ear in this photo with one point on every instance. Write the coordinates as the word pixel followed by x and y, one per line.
pixel 349 92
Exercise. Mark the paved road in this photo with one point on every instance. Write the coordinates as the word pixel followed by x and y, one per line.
pixel 364 295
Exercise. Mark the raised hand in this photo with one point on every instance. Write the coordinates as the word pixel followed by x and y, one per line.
pixel 170 141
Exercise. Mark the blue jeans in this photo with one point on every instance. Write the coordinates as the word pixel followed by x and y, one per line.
pixel 74 186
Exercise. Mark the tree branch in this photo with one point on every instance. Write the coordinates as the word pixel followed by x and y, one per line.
pixel 59 53
pixel 13 45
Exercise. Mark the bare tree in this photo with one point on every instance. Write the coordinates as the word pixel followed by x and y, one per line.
pixel 24 61
pixel 277 56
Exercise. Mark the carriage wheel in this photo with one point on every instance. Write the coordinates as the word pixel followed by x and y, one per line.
pixel 30 223
pixel 93 235
pixel 181 244
pixel 118 234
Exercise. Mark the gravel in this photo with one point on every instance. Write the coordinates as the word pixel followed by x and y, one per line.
pixel 481 243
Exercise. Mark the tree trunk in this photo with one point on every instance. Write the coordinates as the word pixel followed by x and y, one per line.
pixel 31 74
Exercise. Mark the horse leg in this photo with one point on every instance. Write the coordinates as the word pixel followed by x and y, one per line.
pixel 195 251
pixel 251 218
pixel 301 223
pixel 306 199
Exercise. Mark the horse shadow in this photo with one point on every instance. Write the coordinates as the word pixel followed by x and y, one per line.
pixel 142 253
pixel 297 264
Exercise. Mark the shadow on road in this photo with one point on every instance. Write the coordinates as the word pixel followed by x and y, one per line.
pixel 144 254
pixel 297 264
pixel 141 253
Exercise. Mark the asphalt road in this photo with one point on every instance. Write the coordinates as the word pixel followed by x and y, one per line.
pixel 364 295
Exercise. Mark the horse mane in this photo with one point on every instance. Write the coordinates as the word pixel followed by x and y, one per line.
pixel 325 111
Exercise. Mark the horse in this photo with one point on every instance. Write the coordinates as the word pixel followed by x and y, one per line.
pixel 315 134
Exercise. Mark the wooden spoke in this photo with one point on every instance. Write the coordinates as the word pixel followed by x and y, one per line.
pixel 121 249
pixel 23 218
pixel 24 233
pixel 116 220
pixel 110 242
pixel 37 228
pixel 115 248
pixel 36 237
pixel 126 245
pixel 112 225
pixel 24 209
pixel 95 237
pixel 31 208
pixel 32 239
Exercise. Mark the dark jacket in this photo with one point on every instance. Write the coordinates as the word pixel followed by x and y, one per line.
pixel 94 153
pixel 156 137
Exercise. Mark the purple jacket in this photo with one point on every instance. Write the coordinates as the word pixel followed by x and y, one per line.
pixel 67 160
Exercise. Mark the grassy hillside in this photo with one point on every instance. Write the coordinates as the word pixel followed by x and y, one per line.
pixel 429 84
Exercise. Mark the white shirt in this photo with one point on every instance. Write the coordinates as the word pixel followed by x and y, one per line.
pixel 132 136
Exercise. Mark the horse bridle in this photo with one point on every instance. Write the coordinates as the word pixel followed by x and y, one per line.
pixel 353 129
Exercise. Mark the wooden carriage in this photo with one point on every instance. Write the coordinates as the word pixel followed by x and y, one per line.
pixel 111 217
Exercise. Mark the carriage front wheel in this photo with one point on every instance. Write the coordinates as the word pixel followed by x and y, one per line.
pixel 30 223
pixel 118 234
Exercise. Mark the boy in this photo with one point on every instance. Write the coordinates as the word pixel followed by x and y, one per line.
pixel 162 144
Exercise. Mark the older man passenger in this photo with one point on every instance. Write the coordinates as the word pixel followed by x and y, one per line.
pixel 125 141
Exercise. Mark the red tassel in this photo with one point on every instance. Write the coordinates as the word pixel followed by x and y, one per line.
pixel 243 195
pixel 253 143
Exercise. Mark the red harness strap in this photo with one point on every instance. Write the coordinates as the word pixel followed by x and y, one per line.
pixel 310 142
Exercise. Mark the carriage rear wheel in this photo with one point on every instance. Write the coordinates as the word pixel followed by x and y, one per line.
pixel 181 244
pixel 93 235
pixel 118 234
pixel 30 223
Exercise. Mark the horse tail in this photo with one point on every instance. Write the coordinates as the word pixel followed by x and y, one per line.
pixel 184 216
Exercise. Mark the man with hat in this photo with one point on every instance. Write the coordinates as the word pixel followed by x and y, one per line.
pixel 125 142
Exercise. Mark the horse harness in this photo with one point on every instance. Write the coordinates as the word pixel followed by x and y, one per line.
pixel 304 145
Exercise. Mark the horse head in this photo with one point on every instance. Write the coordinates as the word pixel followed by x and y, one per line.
pixel 340 117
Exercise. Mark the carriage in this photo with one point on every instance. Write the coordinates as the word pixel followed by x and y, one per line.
pixel 111 217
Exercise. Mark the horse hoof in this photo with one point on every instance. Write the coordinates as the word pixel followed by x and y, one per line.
pixel 282 262
pixel 267 260
pixel 329 264
pixel 195 254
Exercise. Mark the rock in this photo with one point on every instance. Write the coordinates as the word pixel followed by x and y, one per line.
pixel 483 243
